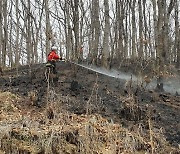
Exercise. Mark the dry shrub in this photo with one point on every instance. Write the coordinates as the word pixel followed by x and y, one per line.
pixel 7 106
pixel 71 133
pixel 33 97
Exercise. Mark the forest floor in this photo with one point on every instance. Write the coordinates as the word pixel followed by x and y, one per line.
pixel 84 112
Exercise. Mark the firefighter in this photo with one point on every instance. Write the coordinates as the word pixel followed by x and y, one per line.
pixel 52 58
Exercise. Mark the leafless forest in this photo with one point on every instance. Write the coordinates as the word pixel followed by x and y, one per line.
pixel 109 30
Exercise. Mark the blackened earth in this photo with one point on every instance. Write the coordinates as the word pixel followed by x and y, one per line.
pixel 93 93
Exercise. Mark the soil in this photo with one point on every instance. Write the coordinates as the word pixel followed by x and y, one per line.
pixel 88 93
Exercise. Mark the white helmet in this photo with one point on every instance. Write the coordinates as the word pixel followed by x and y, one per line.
pixel 53 48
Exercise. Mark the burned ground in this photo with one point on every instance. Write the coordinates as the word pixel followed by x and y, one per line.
pixel 85 92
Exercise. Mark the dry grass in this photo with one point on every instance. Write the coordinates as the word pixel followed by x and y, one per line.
pixel 69 133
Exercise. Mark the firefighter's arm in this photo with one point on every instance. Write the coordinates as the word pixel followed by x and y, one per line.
pixel 56 56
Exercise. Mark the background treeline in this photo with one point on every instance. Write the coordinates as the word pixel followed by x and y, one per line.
pixel 106 31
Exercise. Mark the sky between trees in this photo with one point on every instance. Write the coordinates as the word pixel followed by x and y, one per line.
pixel 108 30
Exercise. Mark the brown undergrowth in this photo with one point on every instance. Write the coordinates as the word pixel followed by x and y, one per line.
pixel 55 130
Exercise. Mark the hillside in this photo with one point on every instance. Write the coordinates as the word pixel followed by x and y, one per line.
pixel 84 112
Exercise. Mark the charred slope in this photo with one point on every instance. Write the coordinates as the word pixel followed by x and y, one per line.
pixel 90 93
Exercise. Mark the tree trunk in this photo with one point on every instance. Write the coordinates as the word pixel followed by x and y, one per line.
pixel 48 27
pixel 106 48
pixel 10 44
pixel 126 33
pixel 119 30
pixel 134 30
pixel 17 35
pixel 150 39
pixel 178 51
pixel 155 27
pixel 81 31
pixel 177 35
pixel 75 6
pixel 36 35
pixel 28 34
pixel 68 31
pixel 140 49
pixel 145 42
pixel 5 37
pixel 160 56
pixel 1 29
pixel 96 30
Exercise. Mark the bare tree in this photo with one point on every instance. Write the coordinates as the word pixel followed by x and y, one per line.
pixel 177 34
pixel 95 29
pixel 134 31
pixel 5 32
pixel 145 39
pixel 140 49
pixel 106 48
pixel 10 43
pixel 68 31
pixel 17 34
pixel 48 27
pixel 117 31
pixel 1 29
pixel 160 52
pixel 35 33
